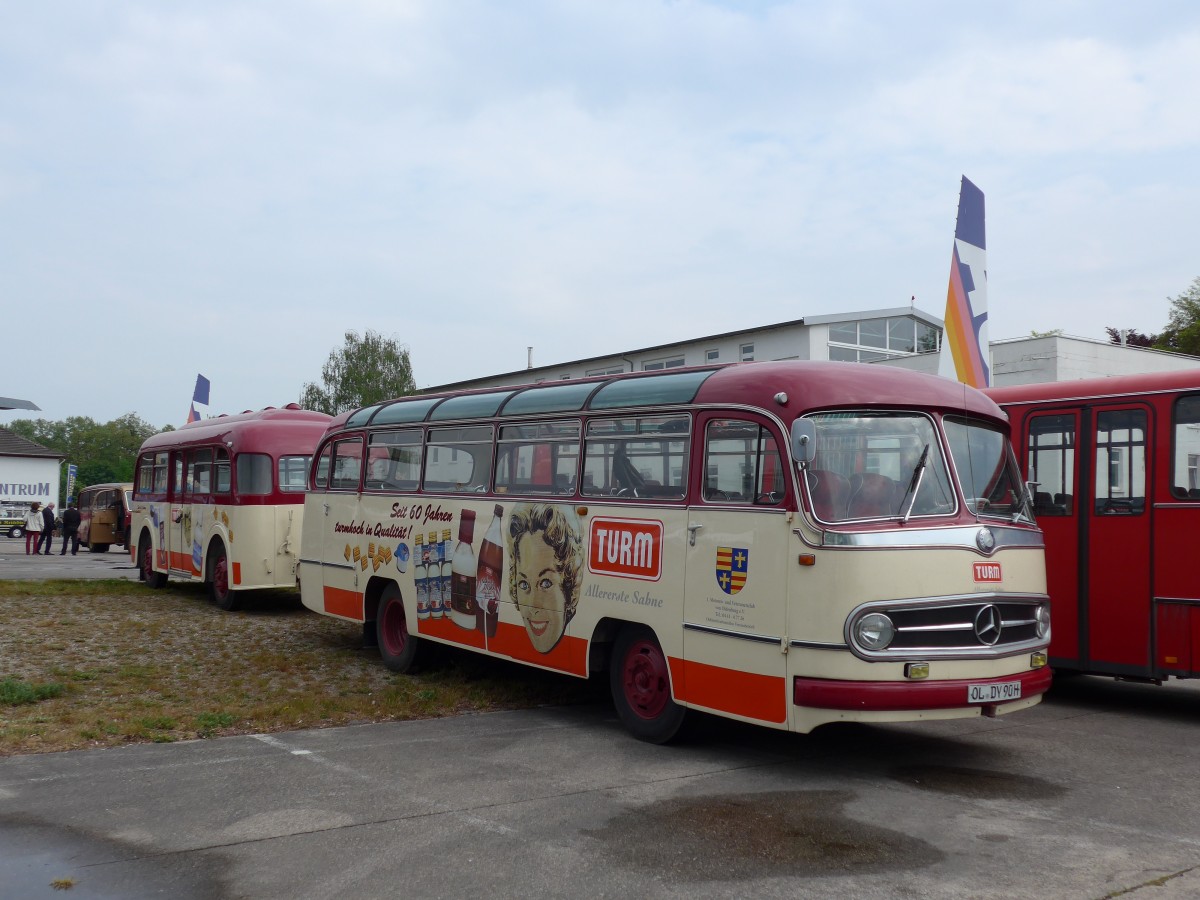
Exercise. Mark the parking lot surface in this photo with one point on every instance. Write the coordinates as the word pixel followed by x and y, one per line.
pixel 1089 795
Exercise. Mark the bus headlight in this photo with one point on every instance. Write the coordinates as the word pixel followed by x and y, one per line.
pixel 1043 620
pixel 874 631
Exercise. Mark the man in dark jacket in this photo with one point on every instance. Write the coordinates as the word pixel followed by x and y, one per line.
pixel 48 526
pixel 70 528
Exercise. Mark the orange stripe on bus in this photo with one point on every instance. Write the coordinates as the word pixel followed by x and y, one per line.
pixel 182 562
pixel 341 602
pixel 569 654
pixel 746 694
pixel 445 629
pixel 237 573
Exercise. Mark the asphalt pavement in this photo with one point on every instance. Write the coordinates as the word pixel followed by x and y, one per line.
pixel 1089 795
pixel 16 565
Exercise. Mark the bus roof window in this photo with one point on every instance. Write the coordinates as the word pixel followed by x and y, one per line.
pixel 555 398
pixel 405 411
pixel 470 406
pixel 678 387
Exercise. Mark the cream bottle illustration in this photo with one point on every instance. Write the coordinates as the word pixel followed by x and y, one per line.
pixel 462 574
pixel 421 578
pixel 487 576
pixel 434 576
pixel 444 583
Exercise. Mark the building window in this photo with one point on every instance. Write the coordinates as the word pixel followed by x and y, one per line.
pixel 747 352
pixel 605 370
pixel 712 355
pixel 874 339
pixel 672 363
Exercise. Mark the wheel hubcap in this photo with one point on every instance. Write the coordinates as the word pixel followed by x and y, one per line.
pixel 646 682
pixel 395 629
pixel 221 577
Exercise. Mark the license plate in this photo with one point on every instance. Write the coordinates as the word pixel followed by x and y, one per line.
pixel 994 693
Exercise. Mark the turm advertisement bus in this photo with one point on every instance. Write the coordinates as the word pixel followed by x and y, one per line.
pixel 788 544
pixel 221 501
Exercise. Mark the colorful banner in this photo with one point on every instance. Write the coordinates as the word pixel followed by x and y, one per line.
pixel 964 354
pixel 71 472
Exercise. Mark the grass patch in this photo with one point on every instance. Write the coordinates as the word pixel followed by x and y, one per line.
pixel 136 665
pixel 14 692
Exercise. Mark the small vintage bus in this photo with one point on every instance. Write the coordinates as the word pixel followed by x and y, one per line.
pixel 786 543
pixel 221 501
pixel 104 516
pixel 1115 464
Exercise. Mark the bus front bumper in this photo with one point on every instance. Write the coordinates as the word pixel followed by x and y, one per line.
pixel 888 696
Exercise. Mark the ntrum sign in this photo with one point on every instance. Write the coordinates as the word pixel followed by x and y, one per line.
pixel 988 572
pixel 629 548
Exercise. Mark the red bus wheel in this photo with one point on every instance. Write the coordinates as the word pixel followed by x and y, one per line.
pixel 397 647
pixel 146 565
pixel 218 579
pixel 640 680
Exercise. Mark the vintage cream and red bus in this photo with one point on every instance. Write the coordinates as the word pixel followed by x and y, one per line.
pixel 782 543
pixel 222 500
pixel 1116 463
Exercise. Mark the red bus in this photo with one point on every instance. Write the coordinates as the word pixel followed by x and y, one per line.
pixel 1116 469
pixel 221 501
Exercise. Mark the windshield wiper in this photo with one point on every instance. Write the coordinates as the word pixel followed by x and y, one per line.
pixel 914 484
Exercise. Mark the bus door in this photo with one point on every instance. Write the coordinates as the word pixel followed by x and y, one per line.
pixel 1116 535
pixel 1052 461
pixel 344 552
pixel 735 609
pixel 179 523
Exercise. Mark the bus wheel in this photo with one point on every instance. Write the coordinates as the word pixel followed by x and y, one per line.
pixel 146 571
pixel 16 531
pixel 98 548
pixel 397 647
pixel 641 687
pixel 218 580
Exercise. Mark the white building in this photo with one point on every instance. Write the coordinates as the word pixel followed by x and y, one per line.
pixel 28 472
pixel 900 336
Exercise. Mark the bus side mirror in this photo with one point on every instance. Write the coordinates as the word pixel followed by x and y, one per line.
pixel 804 441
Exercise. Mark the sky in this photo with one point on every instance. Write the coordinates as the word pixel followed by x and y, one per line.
pixel 226 189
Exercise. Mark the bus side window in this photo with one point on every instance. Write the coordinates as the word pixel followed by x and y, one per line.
pixel 742 463
pixel 347 465
pixel 643 458
pixel 1185 449
pixel 1051 463
pixel 221 478
pixel 538 458
pixel 321 473
pixel 459 459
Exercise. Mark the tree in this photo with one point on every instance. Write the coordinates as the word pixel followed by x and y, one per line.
pixel 365 370
pixel 101 453
pixel 1182 334
pixel 1132 338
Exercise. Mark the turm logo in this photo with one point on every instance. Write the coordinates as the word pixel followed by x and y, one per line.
pixel 630 548
pixel 988 571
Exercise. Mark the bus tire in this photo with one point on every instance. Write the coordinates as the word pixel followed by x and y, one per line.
pixel 218 579
pixel 640 680
pixel 146 571
pixel 98 548
pixel 397 647
pixel 16 531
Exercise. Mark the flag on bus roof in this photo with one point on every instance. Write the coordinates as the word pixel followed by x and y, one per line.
pixel 964 355
pixel 193 416
pixel 200 395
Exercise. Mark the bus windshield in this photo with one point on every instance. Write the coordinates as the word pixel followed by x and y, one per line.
pixel 987 469
pixel 877 465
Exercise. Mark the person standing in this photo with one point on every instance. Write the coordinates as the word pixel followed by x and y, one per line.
pixel 70 529
pixel 47 527
pixel 33 528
